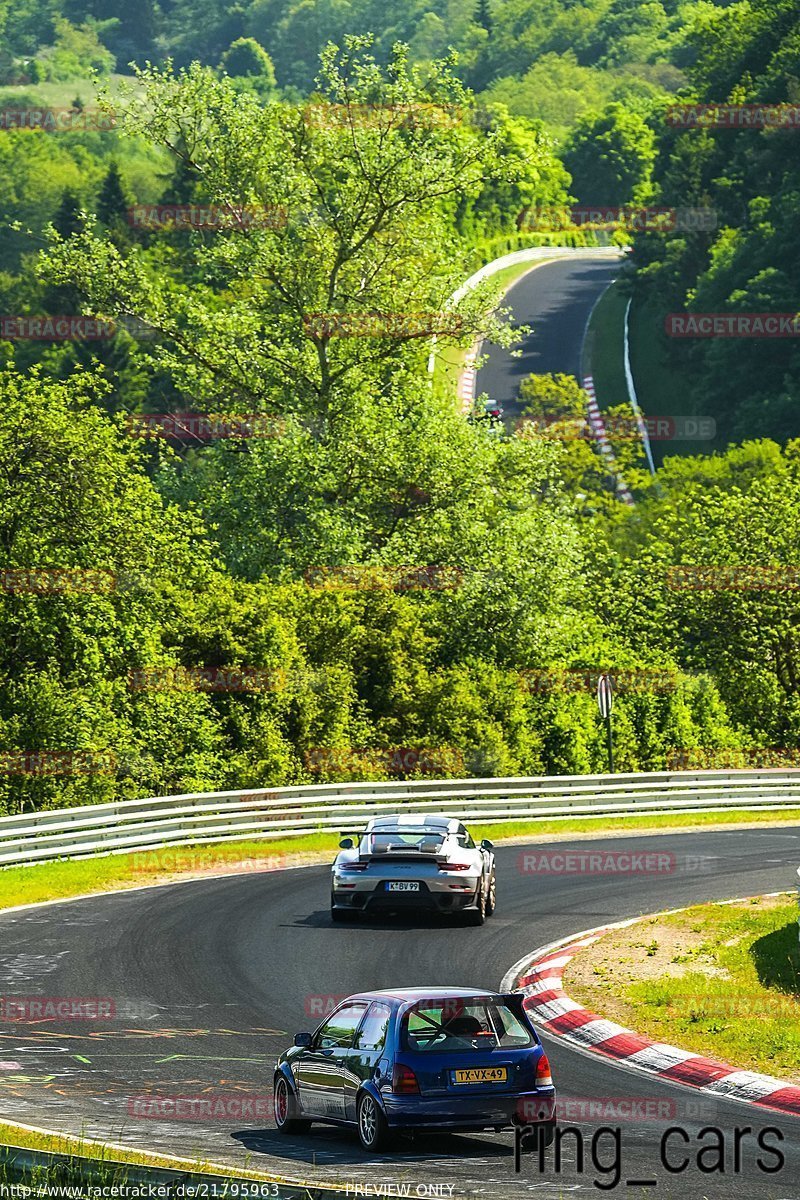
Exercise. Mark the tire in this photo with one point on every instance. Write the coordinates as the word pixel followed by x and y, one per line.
pixel 373 1130
pixel 491 899
pixel 477 916
pixel 285 1109
pixel 339 915
pixel 546 1130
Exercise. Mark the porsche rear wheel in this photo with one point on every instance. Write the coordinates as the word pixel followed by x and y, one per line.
pixel 339 914
pixel 491 899
pixel 477 915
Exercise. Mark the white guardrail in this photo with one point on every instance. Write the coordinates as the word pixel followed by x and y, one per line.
pixel 148 824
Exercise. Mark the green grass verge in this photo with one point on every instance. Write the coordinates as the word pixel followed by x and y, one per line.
pixel 663 390
pixel 60 880
pixel 604 348
pixel 720 980
pixel 110 1161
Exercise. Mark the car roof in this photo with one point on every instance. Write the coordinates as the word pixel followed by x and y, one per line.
pixel 412 995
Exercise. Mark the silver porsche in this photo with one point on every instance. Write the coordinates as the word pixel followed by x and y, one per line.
pixel 413 862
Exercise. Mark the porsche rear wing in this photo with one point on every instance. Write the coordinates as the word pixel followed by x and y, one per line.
pixel 401 851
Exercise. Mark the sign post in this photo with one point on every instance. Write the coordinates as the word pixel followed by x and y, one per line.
pixel 605 702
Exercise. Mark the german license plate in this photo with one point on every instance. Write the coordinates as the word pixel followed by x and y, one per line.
pixel 402 886
pixel 482 1075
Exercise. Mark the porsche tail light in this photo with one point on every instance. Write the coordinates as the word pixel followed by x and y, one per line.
pixel 404 1081
pixel 454 866
pixel 543 1075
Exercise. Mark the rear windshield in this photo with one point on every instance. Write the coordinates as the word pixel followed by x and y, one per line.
pixel 386 840
pixel 463 1025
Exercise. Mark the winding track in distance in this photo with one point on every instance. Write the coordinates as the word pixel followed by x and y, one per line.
pixel 555 299
pixel 211 978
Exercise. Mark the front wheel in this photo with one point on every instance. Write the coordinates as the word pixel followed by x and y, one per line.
pixel 285 1109
pixel 373 1129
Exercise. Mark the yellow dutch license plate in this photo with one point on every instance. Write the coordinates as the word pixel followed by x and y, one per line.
pixel 482 1075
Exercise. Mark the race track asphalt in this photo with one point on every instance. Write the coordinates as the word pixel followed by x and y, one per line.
pixel 211 978
pixel 555 299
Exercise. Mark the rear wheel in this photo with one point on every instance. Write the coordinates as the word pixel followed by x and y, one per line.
pixel 339 914
pixel 285 1109
pixel 477 916
pixel 491 899
pixel 373 1130
pixel 543 1132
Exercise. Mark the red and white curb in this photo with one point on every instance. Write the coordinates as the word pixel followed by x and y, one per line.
pixel 466 382
pixel 552 1010
pixel 598 428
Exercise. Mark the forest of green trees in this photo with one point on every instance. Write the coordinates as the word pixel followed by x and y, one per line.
pixel 380 573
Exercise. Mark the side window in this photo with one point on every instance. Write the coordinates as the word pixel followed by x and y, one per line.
pixel 372 1034
pixel 337 1033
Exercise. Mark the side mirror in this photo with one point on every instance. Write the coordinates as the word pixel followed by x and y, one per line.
pixel 303 1039
pixel 487 845
pixel 346 844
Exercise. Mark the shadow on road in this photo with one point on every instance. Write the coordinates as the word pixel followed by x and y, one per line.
pixel 327 1145
pixel 380 920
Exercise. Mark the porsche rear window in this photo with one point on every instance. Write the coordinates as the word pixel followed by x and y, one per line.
pixel 403 839
pixel 463 1025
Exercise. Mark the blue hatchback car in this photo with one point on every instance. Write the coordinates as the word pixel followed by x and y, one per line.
pixel 450 1059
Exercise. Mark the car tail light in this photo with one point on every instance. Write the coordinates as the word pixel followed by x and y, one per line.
pixel 404 1081
pixel 454 866
pixel 355 866
pixel 543 1076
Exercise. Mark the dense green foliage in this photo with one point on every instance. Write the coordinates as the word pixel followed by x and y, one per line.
pixel 379 572
pixel 750 178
